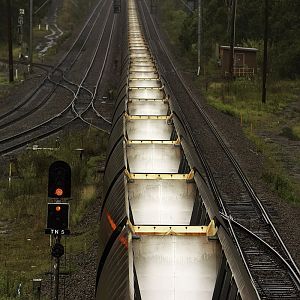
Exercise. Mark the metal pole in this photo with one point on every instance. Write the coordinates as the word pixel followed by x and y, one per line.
pixel 199 37
pixel 9 175
pixel 228 4
pixel 30 35
pixel 265 63
pixel 232 40
pixel 9 40
pixel 56 276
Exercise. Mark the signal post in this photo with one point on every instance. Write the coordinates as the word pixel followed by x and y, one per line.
pixel 59 188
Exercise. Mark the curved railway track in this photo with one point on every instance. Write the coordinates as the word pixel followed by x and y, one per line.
pixel 82 97
pixel 57 76
pixel 272 269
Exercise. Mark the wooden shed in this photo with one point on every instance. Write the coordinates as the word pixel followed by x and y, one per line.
pixel 244 61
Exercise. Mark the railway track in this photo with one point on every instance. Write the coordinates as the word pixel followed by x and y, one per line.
pixel 83 98
pixel 149 246
pixel 56 77
pixel 270 265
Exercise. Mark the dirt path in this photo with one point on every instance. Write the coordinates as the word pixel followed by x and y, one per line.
pixel 50 40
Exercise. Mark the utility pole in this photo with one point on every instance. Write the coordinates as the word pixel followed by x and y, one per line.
pixel 199 36
pixel 9 39
pixel 265 63
pixel 30 35
pixel 232 39
pixel 194 5
pixel 56 271
pixel 228 4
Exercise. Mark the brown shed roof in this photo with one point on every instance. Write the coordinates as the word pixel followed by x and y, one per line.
pixel 240 48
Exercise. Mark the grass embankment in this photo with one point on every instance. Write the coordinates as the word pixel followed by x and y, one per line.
pixel 25 251
pixel 242 99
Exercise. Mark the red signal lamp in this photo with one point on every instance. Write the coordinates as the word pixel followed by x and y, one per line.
pixel 58 192
pixel 59 180
pixel 58 218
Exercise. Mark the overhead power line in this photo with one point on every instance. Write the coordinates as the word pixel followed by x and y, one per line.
pixel 41 7
pixel 232 38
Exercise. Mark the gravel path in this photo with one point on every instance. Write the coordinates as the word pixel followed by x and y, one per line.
pixel 50 40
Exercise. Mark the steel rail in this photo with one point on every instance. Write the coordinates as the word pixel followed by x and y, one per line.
pixel 230 219
pixel 101 75
pixel 57 66
pixel 206 167
pixel 41 104
pixel 71 106
pixel 293 266
pixel 91 104
pixel 230 156
pixel 45 68
pixel 41 66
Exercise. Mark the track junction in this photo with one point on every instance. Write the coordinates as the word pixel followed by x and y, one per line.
pixel 58 101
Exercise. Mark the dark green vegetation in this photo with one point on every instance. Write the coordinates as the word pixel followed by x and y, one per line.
pixel 73 13
pixel 284 31
pixel 266 125
pixel 25 251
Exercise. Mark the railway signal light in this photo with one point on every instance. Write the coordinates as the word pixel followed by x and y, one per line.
pixel 59 192
pixel 59 183
pixel 58 217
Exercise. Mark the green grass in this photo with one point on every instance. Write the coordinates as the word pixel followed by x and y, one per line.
pixel 296 132
pixel 3 82
pixel 242 99
pixel 291 133
pixel 274 172
pixel 25 251
pixel 4 51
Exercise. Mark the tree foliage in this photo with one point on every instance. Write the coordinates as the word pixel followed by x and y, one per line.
pixel 284 30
